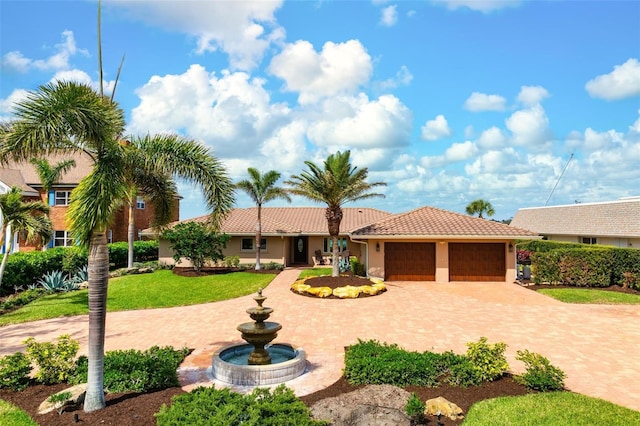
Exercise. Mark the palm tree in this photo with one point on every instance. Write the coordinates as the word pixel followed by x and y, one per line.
pixel 261 189
pixel 50 175
pixel 335 184
pixel 479 207
pixel 68 117
pixel 19 216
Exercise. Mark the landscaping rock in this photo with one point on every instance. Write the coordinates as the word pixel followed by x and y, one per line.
pixel 373 405
pixel 76 398
pixel 442 406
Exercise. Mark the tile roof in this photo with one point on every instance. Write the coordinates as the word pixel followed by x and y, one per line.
pixel 12 177
pixel 436 223
pixel 84 164
pixel 293 220
pixel 619 218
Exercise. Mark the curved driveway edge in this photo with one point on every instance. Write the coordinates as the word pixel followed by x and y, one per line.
pixel 598 346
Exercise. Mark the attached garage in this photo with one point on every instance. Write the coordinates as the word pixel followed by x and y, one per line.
pixel 477 262
pixel 409 261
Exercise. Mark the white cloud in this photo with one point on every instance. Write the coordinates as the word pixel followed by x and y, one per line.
pixel 436 129
pixel 340 68
pixel 285 149
pixel 495 162
pixel 483 102
pixel 532 95
pixel 402 78
pixel 231 113
pixel 389 16
pixel 492 138
pixel 622 82
pixel 361 123
pixel 242 29
pixel 485 6
pixel 530 127
pixel 460 151
pixel 7 105
pixel 635 127
pixel 58 61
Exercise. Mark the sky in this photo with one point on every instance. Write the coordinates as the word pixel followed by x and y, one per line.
pixel 520 103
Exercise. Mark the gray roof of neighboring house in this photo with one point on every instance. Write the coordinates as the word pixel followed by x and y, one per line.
pixel 84 164
pixel 431 222
pixel 12 177
pixel 619 218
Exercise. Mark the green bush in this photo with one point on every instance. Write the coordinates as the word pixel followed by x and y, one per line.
pixel 463 373
pixel 231 261
pixel 14 371
pixel 55 361
pixel 24 269
pixel 415 408
pixel 625 262
pixel 74 259
pixel 591 267
pixel 136 371
pixel 20 299
pixel 221 407
pixel 357 268
pixel 487 359
pixel 540 374
pixel 143 251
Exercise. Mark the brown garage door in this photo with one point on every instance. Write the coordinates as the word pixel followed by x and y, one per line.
pixel 477 262
pixel 410 261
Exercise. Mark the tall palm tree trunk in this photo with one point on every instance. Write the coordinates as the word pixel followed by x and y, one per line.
pixel 98 281
pixel 131 230
pixel 334 217
pixel 258 237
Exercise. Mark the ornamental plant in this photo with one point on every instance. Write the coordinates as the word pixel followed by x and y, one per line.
pixel 487 359
pixel 540 375
pixel 55 361
pixel 14 371
pixel 196 242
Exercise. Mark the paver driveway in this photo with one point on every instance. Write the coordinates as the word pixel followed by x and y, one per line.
pixel 598 346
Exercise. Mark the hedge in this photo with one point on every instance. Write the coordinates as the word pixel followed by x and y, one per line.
pixel 587 266
pixel 26 268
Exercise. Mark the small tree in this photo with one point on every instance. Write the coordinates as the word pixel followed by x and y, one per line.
pixel 479 207
pixel 196 242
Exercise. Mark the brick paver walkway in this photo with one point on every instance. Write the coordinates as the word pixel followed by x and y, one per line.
pixel 598 346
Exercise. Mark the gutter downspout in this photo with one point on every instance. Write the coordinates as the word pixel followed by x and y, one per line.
pixel 366 254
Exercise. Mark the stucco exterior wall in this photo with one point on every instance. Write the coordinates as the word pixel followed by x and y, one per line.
pixel 602 240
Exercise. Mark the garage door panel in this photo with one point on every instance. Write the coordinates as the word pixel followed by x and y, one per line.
pixel 410 261
pixel 477 262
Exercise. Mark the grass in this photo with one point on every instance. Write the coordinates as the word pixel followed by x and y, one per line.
pixel 315 272
pixel 161 289
pixel 12 415
pixel 582 295
pixel 549 409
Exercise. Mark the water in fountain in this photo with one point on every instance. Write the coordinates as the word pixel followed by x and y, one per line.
pixel 257 362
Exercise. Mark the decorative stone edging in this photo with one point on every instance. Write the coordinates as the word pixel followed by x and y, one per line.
pixel 346 292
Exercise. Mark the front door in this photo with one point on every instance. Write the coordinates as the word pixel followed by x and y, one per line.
pixel 300 252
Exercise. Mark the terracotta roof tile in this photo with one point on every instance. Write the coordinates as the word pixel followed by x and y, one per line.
pixel 436 223
pixel 619 218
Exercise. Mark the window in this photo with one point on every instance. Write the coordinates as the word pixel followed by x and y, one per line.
pixel 140 203
pixel 61 239
pixel 247 244
pixel 62 198
pixel 589 240
pixel 328 245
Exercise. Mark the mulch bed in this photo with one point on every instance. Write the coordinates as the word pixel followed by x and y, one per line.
pixel 190 272
pixel 125 409
pixel 335 282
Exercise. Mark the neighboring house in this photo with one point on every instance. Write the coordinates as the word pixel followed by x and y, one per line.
pixel 426 244
pixel 611 223
pixel 25 176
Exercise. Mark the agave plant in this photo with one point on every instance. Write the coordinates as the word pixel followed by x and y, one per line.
pixel 57 282
pixel 81 275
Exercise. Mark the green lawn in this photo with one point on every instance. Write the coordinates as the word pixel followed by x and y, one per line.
pixel 11 415
pixel 160 289
pixel 549 409
pixel 315 272
pixel 582 295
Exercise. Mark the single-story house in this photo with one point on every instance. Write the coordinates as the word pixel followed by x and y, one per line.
pixel 611 223
pixel 425 244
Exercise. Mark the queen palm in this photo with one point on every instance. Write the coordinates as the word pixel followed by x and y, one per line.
pixel 50 174
pixel 336 183
pixel 479 207
pixel 17 215
pixel 261 189
pixel 69 117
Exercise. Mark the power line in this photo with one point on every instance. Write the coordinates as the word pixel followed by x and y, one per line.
pixel 559 177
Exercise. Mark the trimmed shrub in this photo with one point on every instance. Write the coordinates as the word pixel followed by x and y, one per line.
pixel 24 269
pixel 136 371
pixel 14 371
pixel 55 361
pixel 578 267
pixel 540 375
pixel 210 406
pixel 487 359
pixel 143 251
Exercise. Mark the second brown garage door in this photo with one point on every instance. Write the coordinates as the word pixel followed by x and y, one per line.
pixel 477 262
pixel 409 261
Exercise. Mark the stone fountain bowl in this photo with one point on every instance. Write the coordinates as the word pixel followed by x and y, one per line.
pixel 230 365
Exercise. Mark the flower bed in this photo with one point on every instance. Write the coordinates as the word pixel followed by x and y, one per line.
pixel 344 287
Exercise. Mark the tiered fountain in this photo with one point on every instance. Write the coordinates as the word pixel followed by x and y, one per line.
pixel 257 362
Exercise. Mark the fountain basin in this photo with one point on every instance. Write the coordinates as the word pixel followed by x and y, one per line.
pixel 230 365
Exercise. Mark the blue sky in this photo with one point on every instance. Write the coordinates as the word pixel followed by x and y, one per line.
pixel 446 101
